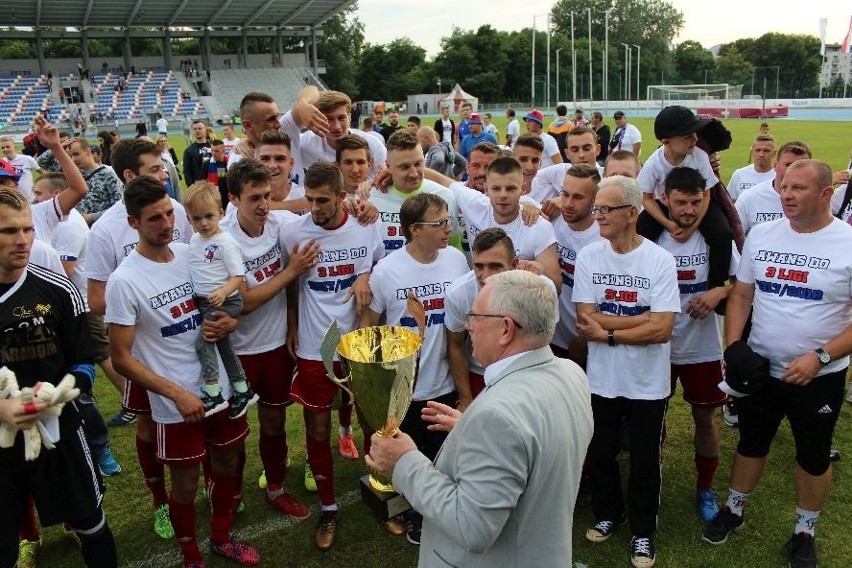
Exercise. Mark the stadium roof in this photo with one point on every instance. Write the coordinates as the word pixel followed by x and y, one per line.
pixel 169 13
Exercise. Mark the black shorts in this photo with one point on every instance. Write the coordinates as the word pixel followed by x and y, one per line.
pixel 812 411
pixel 65 483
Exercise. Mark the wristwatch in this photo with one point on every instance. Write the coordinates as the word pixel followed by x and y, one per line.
pixel 610 338
pixel 823 356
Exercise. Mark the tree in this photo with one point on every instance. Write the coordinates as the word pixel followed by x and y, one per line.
pixel 477 59
pixel 796 57
pixel 391 72
pixel 341 47
pixel 732 67
pixel 693 63
pixel 651 24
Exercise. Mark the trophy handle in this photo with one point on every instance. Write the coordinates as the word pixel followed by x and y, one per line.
pixel 417 311
pixel 340 382
pixel 328 348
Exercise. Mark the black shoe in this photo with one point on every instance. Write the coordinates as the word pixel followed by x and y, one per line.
pixel 602 530
pixel 718 529
pixel 834 455
pixel 413 526
pixel 122 419
pixel 212 404
pixel 240 402
pixel 642 553
pixel 802 549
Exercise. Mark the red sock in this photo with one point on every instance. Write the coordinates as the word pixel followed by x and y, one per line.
pixel 273 454
pixel 221 491
pixel 183 521
pixel 706 468
pixel 319 454
pixel 238 480
pixel 152 471
pixel 206 472
pixel 344 416
pixel 368 435
pixel 29 527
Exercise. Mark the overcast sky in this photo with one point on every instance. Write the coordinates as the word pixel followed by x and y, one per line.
pixel 710 23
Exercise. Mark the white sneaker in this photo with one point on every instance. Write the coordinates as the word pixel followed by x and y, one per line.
pixel 730 414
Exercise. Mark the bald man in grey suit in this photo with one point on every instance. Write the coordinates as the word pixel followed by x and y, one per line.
pixel 501 491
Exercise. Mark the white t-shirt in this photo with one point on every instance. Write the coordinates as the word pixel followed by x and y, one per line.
pixel 550 148
pixel 112 239
pixel 42 254
pixel 493 130
pixel 156 298
pixel 746 177
pixel 345 253
pixel 46 216
pixel 389 202
pixel 568 244
pixel 530 241
pixel 837 202
pixel 25 166
pixel 694 340
pixel 547 182
pixel 459 297
pixel 803 290
pixel 213 261
pixel 653 174
pixel 390 281
pixel 315 149
pixel 229 144
pixel 264 329
pixel 631 136
pixel 162 126
pixel 447 133
pixel 71 240
pixel 760 204
pixel 513 129
pixel 641 280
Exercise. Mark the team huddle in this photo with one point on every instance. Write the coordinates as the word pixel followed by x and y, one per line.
pixel 201 308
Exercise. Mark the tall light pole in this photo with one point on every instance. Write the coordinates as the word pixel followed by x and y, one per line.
pixel 557 74
pixel 532 71
pixel 573 64
pixel 638 64
pixel 591 89
pixel 438 80
pixel 547 82
pixel 606 58
pixel 626 70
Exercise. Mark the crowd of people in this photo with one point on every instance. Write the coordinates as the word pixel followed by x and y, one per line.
pixel 567 287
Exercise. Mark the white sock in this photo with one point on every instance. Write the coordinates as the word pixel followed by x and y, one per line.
pixel 736 501
pixel 332 507
pixel 805 521
pixel 273 494
pixel 344 430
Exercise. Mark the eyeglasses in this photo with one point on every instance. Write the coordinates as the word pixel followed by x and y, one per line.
pixel 440 224
pixel 471 317
pixel 605 209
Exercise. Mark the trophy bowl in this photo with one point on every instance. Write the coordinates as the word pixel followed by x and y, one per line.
pixel 380 368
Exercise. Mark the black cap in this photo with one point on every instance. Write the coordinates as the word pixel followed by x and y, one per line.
pixel 618 114
pixel 677 121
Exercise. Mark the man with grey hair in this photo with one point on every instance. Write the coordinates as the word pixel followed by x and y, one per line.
pixel 440 156
pixel 498 494
pixel 626 292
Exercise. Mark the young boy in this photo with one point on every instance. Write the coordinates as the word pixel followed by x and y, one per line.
pixel 676 128
pixel 217 271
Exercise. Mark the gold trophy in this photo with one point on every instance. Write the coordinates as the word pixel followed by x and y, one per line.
pixel 380 367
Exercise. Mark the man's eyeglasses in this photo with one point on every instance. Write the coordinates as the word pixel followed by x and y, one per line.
pixel 605 209
pixel 440 224
pixel 471 317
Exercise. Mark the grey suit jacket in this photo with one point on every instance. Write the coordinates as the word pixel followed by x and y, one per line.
pixel 501 491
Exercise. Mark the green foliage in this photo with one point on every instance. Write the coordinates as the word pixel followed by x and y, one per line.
pixel 477 59
pixel 340 48
pixel 796 56
pixel 691 61
pixel 651 24
pixel 732 67
pixel 391 72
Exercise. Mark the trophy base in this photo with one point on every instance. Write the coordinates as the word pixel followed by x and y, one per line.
pixel 385 505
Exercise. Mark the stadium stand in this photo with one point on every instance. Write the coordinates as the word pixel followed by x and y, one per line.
pixel 230 86
pixel 22 97
pixel 150 90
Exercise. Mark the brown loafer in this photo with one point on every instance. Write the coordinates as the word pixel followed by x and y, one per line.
pixel 326 531
pixel 395 526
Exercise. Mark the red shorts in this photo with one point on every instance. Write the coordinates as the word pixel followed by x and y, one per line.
pixel 700 383
pixel 477 383
pixel 270 375
pixel 184 443
pixel 135 399
pixel 311 386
